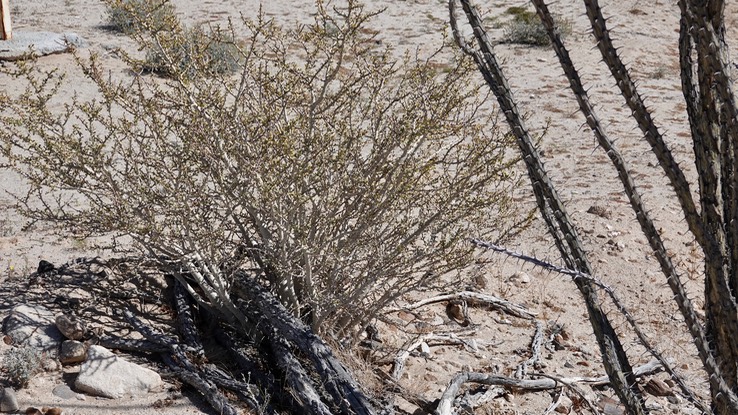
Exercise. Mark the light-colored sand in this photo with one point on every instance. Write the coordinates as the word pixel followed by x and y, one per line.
pixel 647 33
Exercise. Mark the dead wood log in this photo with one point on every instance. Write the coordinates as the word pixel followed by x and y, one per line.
pixel 247 393
pixel 475 299
pixel 184 369
pixel 445 404
pixel 185 321
pixel 130 345
pixel 275 322
pixel 178 361
pixel 298 379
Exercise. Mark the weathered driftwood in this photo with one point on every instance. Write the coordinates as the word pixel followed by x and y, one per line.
pixel 475 299
pixel 445 404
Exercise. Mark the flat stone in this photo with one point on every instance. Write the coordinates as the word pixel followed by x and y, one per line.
pixel 64 392
pixel 105 374
pixel 33 326
pixel 38 44
pixel 72 352
pixel 8 401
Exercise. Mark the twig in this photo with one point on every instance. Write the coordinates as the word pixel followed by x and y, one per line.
pixel 549 382
pixel 535 347
pixel 474 298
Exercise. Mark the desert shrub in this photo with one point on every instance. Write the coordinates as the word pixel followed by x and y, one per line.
pixel 20 364
pixel 525 28
pixel 337 171
pixel 171 46
pixel 196 53
pixel 130 16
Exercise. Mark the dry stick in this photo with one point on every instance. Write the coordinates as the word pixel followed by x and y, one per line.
pixel 553 211
pixel 535 346
pixel 665 158
pixel 474 298
pixel 620 306
pixel 446 402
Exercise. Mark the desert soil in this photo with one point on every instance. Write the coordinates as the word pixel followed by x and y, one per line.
pixel 646 32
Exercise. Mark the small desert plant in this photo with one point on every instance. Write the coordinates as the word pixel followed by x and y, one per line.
pixel 128 16
pixel 196 52
pixel 20 364
pixel 342 173
pixel 171 47
pixel 525 28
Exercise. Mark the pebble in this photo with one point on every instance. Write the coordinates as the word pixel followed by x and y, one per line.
pixel 520 278
pixel 64 392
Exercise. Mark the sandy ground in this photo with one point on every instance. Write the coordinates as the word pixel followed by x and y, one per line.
pixel 647 33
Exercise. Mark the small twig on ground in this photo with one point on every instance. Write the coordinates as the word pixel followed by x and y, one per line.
pixel 445 404
pixel 535 348
pixel 474 299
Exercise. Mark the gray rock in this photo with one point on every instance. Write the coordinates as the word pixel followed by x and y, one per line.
pixel 33 326
pixel 38 44
pixel 72 352
pixel 70 327
pixel 64 392
pixel 105 374
pixel 8 402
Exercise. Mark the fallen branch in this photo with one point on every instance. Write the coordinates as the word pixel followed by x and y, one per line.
pixel 446 402
pixel 474 299
pixel 535 347
pixel 178 361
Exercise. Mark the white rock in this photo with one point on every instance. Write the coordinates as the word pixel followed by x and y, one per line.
pixel 105 374
pixel 33 326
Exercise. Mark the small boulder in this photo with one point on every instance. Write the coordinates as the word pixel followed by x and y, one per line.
pixel 8 401
pixel 105 374
pixel 72 352
pixel 70 327
pixel 33 326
